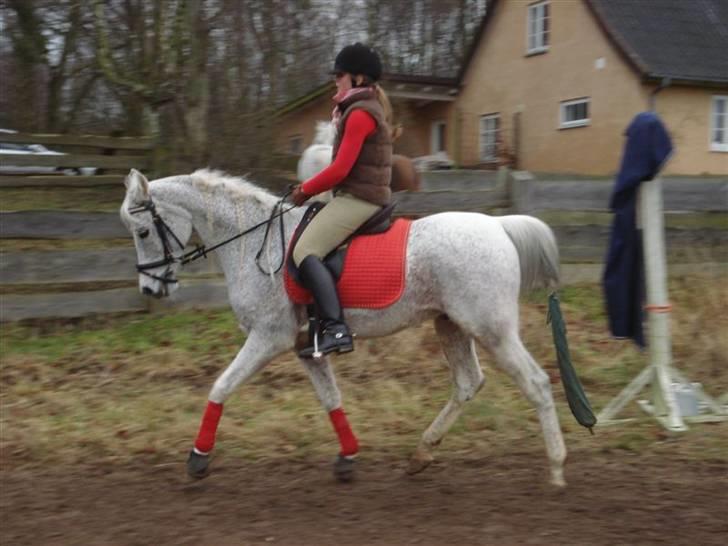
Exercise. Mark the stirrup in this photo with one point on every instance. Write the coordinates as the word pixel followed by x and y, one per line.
pixel 326 342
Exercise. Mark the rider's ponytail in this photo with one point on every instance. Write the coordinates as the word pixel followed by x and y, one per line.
pixel 388 112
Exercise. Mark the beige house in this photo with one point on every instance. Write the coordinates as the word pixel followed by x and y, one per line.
pixel 551 85
pixel 421 104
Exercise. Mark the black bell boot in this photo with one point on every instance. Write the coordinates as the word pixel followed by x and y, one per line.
pixel 334 335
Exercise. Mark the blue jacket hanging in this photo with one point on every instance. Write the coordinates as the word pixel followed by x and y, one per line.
pixel 647 148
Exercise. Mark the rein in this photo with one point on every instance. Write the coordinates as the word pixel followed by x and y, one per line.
pixel 201 251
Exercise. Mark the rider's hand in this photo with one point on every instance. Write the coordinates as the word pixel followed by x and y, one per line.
pixel 298 197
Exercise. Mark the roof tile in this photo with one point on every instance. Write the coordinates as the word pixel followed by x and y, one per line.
pixel 686 40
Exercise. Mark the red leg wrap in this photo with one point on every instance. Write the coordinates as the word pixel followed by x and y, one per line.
pixel 206 436
pixel 349 445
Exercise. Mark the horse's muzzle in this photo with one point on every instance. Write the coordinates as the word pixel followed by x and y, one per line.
pixel 155 294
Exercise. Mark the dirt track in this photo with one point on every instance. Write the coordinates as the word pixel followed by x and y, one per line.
pixel 613 498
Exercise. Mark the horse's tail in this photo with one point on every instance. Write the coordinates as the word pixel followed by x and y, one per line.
pixel 538 252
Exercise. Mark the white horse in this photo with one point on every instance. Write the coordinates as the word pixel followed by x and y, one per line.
pixel 317 157
pixel 464 270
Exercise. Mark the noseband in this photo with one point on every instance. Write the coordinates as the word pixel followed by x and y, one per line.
pixel 164 232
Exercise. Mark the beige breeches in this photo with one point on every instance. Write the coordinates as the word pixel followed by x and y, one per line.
pixel 332 226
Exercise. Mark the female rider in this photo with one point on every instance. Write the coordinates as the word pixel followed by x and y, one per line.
pixel 360 174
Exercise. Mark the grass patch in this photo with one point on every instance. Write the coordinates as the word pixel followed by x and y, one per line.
pixel 194 333
pixel 134 386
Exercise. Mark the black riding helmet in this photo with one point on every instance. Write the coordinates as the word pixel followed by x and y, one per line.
pixel 359 59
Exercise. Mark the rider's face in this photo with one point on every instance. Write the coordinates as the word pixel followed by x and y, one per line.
pixel 343 81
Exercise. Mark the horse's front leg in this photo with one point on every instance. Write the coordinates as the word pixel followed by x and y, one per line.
pixel 259 349
pixel 324 383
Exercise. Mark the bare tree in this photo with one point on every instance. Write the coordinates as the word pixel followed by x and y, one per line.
pixel 207 75
pixel 156 59
pixel 52 73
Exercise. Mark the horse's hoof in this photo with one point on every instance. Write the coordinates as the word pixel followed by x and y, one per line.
pixel 557 479
pixel 418 462
pixel 344 468
pixel 198 465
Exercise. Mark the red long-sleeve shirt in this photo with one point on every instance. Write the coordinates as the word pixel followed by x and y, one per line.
pixel 359 125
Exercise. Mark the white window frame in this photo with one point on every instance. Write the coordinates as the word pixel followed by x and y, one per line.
pixel 564 105
pixel 718 146
pixel 484 143
pixel 435 137
pixel 538 28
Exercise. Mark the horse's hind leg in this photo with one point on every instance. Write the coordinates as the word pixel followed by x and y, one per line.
pixel 324 383
pixel 515 360
pixel 467 379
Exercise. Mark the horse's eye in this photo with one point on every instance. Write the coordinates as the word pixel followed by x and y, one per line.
pixel 143 233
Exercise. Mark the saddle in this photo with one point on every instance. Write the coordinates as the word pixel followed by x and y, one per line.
pixel 380 222
pixel 368 268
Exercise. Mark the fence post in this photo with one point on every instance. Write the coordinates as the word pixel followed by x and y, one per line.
pixel 501 177
pixel 520 191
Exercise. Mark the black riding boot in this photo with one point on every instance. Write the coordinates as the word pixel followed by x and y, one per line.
pixel 333 335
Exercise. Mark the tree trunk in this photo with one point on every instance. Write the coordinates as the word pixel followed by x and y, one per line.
pixel 197 89
pixel 29 47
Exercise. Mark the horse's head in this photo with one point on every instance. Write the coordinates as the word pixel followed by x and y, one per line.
pixel 325 133
pixel 160 232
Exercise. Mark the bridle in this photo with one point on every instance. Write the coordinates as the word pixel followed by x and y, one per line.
pixel 164 232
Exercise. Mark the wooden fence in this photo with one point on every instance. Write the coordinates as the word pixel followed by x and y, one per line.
pixel 581 244
pixel 106 155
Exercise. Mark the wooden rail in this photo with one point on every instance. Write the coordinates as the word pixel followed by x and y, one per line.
pixel 87 141
pixel 50 224
pixel 529 198
pixel 586 244
pixel 99 225
pixel 74 152
pixel 85 269
pixel 59 180
pixel 77 160
pixel 431 202
pixel 212 294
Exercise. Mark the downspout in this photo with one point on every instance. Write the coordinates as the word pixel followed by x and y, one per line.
pixel 665 82
pixel 457 155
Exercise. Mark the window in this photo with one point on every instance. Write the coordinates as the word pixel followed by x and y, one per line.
pixel 295 144
pixel 538 27
pixel 489 129
pixel 574 113
pixel 437 141
pixel 719 124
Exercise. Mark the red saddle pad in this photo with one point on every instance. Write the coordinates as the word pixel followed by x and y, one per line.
pixel 374 268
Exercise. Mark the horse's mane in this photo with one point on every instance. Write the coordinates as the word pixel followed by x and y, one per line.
pixel 235 186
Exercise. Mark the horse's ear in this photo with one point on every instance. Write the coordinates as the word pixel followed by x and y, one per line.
pixel 137 185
